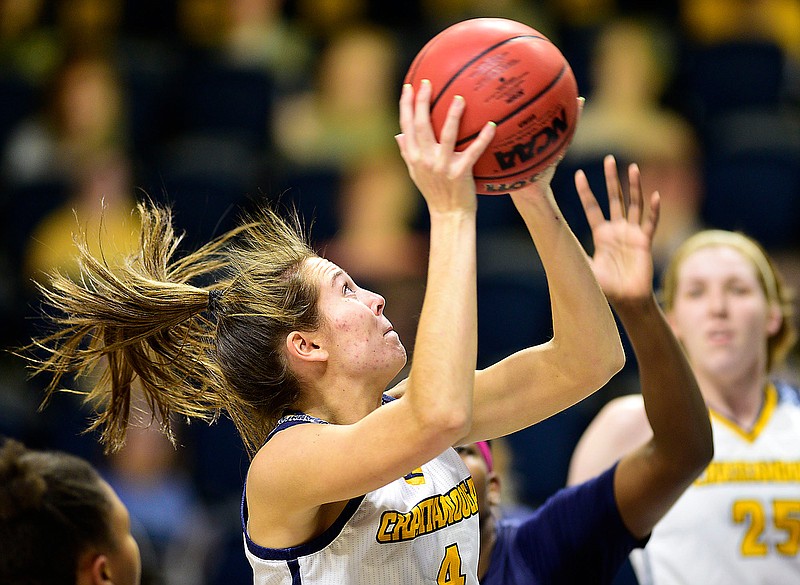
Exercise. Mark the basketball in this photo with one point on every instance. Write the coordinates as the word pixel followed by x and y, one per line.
pixel 508 73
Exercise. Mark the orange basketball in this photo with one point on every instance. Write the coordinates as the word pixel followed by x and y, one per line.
pixel 508 73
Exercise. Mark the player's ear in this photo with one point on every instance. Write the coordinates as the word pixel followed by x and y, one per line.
pixel 774 320
pixel 493 488
pixel 99 571
pixel 303 346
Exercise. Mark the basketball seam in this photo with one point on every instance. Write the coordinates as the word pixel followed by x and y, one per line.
pixel 522 106
pixel 478 56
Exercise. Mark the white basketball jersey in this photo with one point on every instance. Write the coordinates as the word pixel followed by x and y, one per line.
pixel 419 529
pixel 739 523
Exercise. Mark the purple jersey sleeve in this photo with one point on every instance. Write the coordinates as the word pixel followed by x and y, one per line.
pixel 576 536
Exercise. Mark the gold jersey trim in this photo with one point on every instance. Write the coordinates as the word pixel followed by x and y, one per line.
pixel 767 409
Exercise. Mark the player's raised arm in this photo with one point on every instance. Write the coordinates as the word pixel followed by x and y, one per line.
pixel 650 478
pixel 585 350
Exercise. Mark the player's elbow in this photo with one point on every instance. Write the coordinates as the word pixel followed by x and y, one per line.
pixel 455 424
pixel 445 423
pixel 615 359
pixel 599 364
pixel 614 362
pixel 603 350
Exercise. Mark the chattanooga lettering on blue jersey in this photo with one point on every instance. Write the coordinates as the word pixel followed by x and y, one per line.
pixel 750 471
pixel 430 515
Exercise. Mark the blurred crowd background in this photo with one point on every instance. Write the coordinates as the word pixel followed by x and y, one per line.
pixel 217 105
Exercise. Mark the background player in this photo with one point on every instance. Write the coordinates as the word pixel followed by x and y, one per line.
pixel 737 523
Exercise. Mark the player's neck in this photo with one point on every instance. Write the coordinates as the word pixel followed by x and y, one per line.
pixel 740 403
pixel 488 539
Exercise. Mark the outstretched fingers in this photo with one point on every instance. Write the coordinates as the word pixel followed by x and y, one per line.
pixel 616 199
pixel 465 160
pixel 592 209
pixel 647 218
pixel 651 219
pixel 635 204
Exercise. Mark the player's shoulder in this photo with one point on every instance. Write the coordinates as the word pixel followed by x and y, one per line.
pixel 620 426
pixel 623 411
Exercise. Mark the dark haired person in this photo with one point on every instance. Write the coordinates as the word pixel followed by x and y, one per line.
pixel 61 523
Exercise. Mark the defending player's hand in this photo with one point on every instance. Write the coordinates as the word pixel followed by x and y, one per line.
pixel 622 261
pixel 443 175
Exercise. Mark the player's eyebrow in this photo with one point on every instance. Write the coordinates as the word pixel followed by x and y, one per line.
pixel 336 276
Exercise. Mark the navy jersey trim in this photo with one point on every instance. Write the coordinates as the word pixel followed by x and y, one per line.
pixel 293 419
pixel 308 548
pixel 294 571
pixel 321 541
pixel 297 418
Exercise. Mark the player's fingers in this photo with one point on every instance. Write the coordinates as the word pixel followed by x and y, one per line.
pixel 451 124
pixel 579 111
pixel 635 206
pixel 651 218
pixel 408 143
pixel 422 116
pixel 594 214
pixel 476 148
pixel 616 202
pixel 401 142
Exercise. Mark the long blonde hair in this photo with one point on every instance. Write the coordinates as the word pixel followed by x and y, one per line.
pixel 769 277
pixel 193 350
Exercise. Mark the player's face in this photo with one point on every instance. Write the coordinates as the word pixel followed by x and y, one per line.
pixel 721 314
pixel 124 561
pixel 357 335
pixel 486 487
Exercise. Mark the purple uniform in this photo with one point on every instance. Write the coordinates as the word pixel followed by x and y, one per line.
pixel 576 536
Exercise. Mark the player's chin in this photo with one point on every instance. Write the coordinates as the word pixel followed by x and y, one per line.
pixel 398 348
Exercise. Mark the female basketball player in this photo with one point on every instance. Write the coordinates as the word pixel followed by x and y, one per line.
pixel 345 484
pixel 738 522
pixel 60 522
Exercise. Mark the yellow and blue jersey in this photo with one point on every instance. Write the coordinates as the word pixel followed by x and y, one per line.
pixel 419 529
pixel 739 522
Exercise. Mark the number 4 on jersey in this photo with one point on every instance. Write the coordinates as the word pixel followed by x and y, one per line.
pixel 450 569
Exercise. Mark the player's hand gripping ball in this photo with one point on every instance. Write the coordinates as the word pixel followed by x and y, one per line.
pixel 510 74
